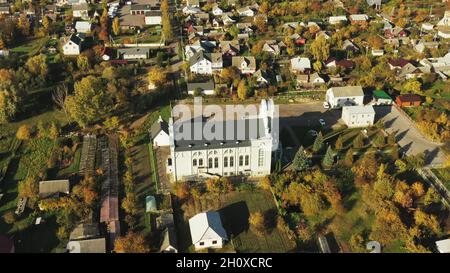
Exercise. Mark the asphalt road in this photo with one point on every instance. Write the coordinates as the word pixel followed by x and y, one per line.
pixel 408 136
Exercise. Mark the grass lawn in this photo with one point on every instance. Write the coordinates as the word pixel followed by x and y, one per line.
pixel 74 167
pixel 31 47
pixel 235 209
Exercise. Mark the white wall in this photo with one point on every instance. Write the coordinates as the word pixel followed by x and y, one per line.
pixel 209 244
pixel 162 139
pixel 357 119
pixel 153 20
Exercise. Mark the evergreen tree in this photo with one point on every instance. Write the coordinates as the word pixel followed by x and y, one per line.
pixel 301 162
pixel 318 143
pixel 328 159
pixel 339 143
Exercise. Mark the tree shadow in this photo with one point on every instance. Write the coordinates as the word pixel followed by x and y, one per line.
pixel 235 218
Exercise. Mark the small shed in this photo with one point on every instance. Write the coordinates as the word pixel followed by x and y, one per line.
pixel 381 97
pixel 150 203
pixel 51 187
pixel 408 100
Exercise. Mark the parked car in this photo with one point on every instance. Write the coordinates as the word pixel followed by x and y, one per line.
pixel 313 132
pixel 326 105
pixel 322 122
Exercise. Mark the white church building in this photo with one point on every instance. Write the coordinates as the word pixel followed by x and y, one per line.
pixel 244 148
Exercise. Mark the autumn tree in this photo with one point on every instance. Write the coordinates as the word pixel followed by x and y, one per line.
pixel 104 20
pixel 53 131
pixel 242 90
pixel 116 26
pixel 348 159
pixel 131 243
pixel 157 76
pixel 23 24
pixel 83 63
pixel 339 143
pixel 166 21
pixel 320 49
pixel 37 65
pixel 89 101
pixel 29 188
pixel 260 23
pixel 257 223
pixel 24 132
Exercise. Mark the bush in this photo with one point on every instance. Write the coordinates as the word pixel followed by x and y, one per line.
pixel 24 132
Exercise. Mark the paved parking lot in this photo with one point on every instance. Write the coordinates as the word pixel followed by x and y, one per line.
pixel 408 136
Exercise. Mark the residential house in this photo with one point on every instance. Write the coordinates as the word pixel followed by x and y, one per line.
pixel 133 53
pixel 81 11
pixel 191 10
pixel 262 78
pixel 309 80
pixel 206 63
pixel 443 246
pixel 245 12
pixel 245 64
pixel 206 88
pixel 377 52
pixel 333 20
pixel 358 116
pixel 169 242
pixel 53 187
pixel 300 65
pixel 227 20
pixel 216 10
pixel 349 46
pixel 153 18
pixel 397 64
pixel 193 3
pixel 271 47
pixel 344 64
pixel 421 45
pixel 359 19
pixel 230 48
pixel 445 21
pixel 337 97
pixel 73 45
pixel 87 246
pixel 396 32
pixel 84 231
pixel 207 230
pixel 159 133
pixel 83 26
pixel 407 100
pixel 4 9
pixel 140 9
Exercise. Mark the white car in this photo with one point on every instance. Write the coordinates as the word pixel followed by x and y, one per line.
pixel 322 122
pixel 313 132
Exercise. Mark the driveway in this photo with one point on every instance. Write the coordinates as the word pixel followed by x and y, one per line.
pixel 408 136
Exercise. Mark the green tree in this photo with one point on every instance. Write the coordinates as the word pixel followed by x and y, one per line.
pixel 83 63
pixel 89 101
pixel 301 162
pixel 328 159
pixel 318 143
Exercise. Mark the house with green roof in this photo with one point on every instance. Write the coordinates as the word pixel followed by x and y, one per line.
pixel 381 98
